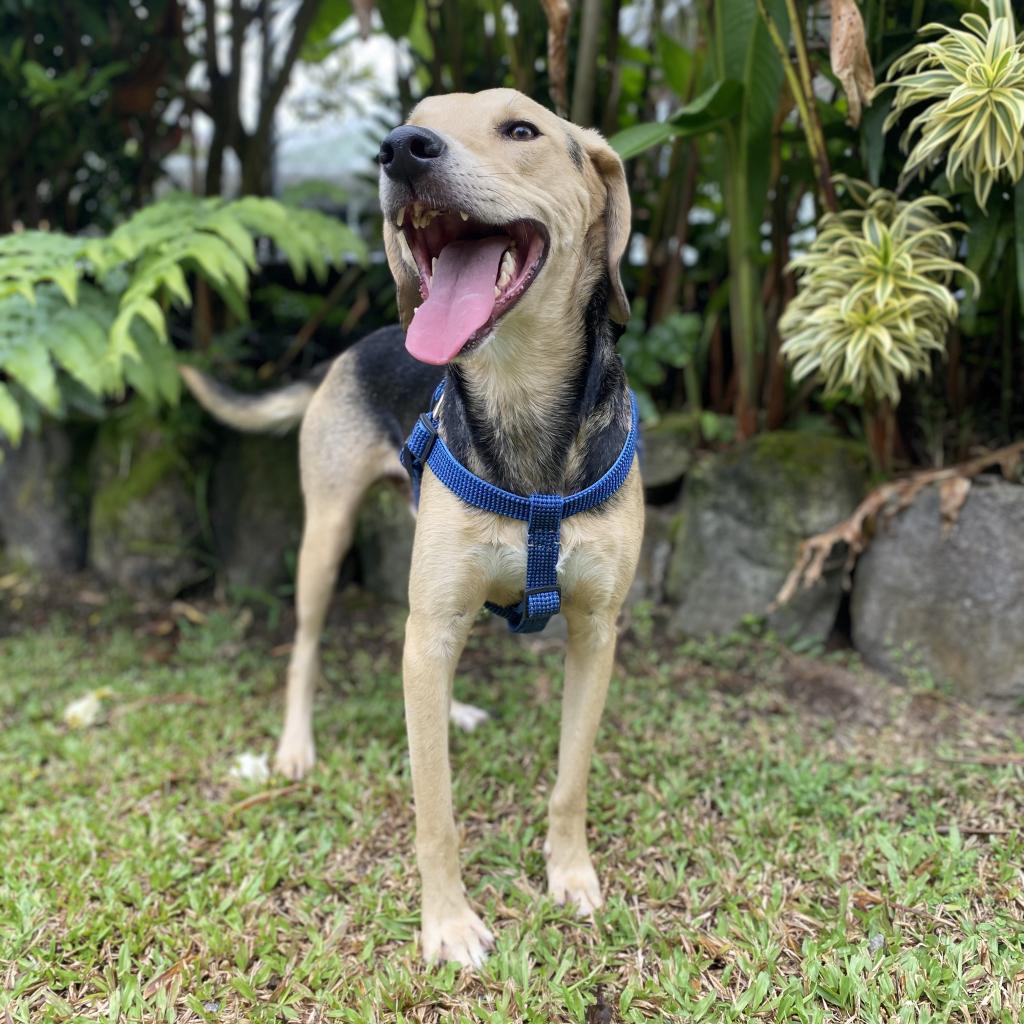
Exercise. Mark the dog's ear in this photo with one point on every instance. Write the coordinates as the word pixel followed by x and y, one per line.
pixel 617 217
pixel 407 283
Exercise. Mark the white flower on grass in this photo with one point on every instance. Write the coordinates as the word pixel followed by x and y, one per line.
pixel 86 710
pixel 249 767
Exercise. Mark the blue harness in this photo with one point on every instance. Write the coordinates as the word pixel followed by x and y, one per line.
pixel 543 513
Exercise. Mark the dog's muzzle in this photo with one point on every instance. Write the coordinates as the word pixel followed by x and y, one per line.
pixel 409 152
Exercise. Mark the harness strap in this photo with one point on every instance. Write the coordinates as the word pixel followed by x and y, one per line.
pixel 543 513
pixel 542 597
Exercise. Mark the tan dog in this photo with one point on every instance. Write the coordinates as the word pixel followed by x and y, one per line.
pixel 504 229
pixel 536 401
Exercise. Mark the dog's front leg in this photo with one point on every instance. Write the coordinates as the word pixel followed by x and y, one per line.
pixel 433 643
pixel 588 669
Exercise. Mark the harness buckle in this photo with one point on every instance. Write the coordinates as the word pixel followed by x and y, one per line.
pixel 412 462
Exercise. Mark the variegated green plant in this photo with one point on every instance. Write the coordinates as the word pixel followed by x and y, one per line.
pixel 873 295
pixel 972 82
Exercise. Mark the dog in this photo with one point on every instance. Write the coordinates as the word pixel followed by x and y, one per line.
pixel 504 229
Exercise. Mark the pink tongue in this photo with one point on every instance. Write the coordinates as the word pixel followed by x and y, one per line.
pixel 460 302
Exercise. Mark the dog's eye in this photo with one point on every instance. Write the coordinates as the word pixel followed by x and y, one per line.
pixel 520 131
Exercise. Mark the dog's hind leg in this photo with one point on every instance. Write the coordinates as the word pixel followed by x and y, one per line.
pixel 326 537
pixel 341 453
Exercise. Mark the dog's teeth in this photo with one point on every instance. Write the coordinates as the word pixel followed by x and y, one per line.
pixel 497 291
pixel 464 216
pixel 433 266
pixel 507 269
pixel 400 217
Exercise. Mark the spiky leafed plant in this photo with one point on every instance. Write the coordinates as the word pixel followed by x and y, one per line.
pixel 873 296
pixel 972 82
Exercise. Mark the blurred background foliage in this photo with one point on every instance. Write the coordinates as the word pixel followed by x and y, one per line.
pixel 733 116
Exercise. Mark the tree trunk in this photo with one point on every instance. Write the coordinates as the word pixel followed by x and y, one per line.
pixel 585 80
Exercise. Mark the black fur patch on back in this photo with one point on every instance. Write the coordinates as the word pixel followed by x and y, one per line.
pixel 395 387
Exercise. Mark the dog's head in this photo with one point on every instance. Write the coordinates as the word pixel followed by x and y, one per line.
pixel 496 210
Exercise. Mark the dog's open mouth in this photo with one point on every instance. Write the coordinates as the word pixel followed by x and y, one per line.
pixel 471 274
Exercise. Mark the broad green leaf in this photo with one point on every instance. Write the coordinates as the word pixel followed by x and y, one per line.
pixel 397 16
pixel 30 366
pixel 640 137
pixel 10 415
pixel 329 16
pixel 722 101
pixel 676 64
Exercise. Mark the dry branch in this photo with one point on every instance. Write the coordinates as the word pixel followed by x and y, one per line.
pixel 264 797
pixel 888 500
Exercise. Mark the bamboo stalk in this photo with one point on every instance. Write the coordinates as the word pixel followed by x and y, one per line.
pixel 801 86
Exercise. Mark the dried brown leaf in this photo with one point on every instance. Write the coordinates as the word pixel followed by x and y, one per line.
pixel 557 12
pixel 165 979
pixel 188 611
pixel 849 56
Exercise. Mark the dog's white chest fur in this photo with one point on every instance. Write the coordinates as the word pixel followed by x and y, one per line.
pixel 585 574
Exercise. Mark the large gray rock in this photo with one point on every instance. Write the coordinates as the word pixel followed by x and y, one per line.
pixel 256 510
pixel 144 528
pixel 39 526
pixel 383 542
pixel 742 517
pixel 951 604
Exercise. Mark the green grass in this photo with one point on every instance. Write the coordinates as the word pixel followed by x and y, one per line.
pixel 780 838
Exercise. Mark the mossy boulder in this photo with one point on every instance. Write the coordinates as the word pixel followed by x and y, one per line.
pixel 383 543
pixel 41 515
pixel 144 523
pixel 666 451
pixel 742 517
pixel 949 601
pixel 256 511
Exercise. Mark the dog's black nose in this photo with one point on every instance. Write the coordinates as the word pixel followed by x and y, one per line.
pixel 408 152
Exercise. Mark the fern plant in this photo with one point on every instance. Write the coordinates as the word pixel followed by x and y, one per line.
pixel 93 311
pixel 873 295
pixel 971 81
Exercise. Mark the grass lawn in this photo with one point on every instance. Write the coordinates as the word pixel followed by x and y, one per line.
pixel 780 837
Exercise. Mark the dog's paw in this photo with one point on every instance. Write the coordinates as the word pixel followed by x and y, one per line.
pixel 467 716
pixel 576 884
pixel 458 936
pixel 295 756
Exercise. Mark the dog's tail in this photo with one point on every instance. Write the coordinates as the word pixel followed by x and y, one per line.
pixel 275 412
